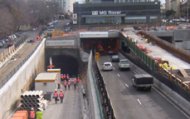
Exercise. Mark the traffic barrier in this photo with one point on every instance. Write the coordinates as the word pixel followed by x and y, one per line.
pixel 102 92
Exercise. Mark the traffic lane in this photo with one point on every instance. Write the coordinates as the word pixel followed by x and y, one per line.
pixel 69 109
pixel 128 102
pixel 152 102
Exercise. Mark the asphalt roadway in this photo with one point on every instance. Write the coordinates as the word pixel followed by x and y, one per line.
pixel 129 103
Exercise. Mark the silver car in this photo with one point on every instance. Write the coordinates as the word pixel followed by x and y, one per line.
pixel 124 64
pixel 107 66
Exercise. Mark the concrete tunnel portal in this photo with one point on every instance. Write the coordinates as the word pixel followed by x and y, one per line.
pixel 66 62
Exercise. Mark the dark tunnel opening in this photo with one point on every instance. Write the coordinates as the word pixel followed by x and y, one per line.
pixel 68 64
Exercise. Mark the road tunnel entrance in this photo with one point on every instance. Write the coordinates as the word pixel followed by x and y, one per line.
pixel 67 64
pixel 102 45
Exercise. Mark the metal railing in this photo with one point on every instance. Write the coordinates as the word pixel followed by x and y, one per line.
pixel 103 103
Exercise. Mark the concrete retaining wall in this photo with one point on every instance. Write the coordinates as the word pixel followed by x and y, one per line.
pixel 21 80
pixel 91 93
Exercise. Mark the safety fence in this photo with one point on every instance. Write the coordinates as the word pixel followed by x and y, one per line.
pixel 104 98
pixel 101 104
pixel 167 77
pixel 103 95
pixel 143 57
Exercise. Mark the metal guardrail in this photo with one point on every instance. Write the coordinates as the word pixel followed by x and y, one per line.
pixel 103 95
pixel 102 99
pixel 92 94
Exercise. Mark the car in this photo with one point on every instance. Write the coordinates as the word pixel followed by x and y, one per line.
pixel 112 52
pixel 115 58
pixel 107 66
pixel 124 64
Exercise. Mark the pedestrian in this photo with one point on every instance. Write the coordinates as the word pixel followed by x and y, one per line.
pixel 67 77
pixel 65 84
pixel 75 83
pixel 69 83
pixel 55 95
pixel 78 80
pixel 61 96
pixel 32 114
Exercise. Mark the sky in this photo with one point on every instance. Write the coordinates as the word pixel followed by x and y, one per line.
pixel 162 1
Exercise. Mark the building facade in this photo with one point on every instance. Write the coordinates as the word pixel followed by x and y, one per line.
pixel 118 13
pixel 185 8
pixel 168 5
pixel 175 5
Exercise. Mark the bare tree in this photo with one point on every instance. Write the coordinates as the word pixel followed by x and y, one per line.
pixel 18 12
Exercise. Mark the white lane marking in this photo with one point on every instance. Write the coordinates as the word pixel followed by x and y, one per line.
pixel 127 85
pixel 118 75
pixel 139 101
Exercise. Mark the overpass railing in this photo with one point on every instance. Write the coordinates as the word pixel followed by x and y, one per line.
pixel 100 105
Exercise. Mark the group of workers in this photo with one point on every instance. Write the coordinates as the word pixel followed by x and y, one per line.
pixel 66 82
pixel 58 95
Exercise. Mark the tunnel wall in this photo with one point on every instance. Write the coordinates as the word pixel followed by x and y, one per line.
pixel 21 81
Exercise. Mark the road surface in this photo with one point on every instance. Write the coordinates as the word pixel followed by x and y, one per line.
pixel 128 103
pixel 69 109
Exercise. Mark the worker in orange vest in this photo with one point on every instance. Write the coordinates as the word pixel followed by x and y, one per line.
pixel 32 114
pixel 61 96
pixel 78 80
pixel 75 83
pixel 65 84
pixel 69 83
pixel 67 77
pixel 55 96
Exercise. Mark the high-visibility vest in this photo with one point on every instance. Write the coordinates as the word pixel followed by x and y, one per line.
pixel 64 76
pixel 32 114
pixel 78 80
pixel 61 94
pixel 55 94
pixel 67 76
pixel 65 83
pixel 75 80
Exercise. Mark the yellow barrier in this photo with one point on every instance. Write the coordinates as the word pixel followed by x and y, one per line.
pixel 97 56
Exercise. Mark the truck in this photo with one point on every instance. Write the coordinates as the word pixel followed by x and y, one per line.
pixel 142 81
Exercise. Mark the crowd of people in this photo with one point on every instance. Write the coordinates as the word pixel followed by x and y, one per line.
pixel 67 83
